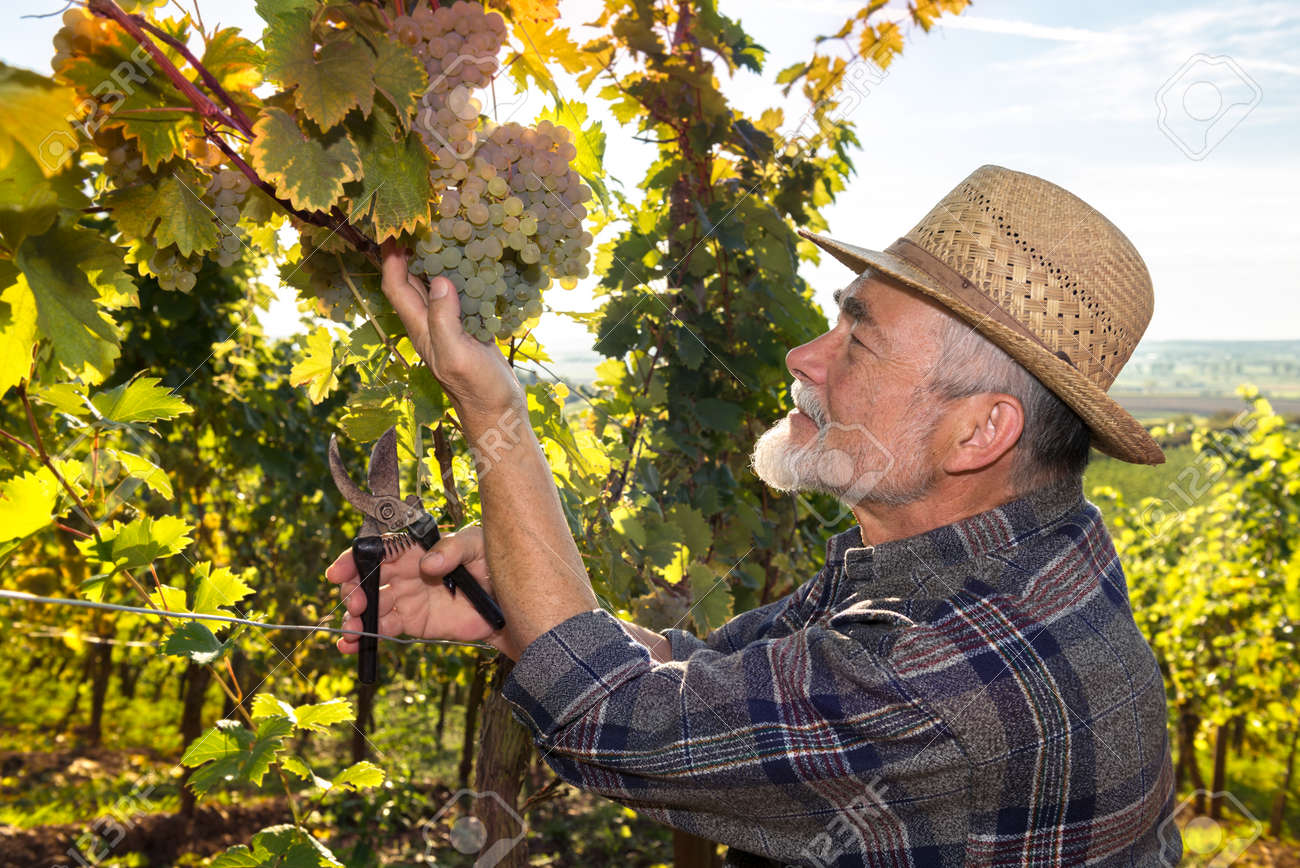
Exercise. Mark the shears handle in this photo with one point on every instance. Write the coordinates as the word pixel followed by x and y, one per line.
pixel 368 552
pixel 425 532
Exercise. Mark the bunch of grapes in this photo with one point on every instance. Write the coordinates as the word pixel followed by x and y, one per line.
pixel 173 270
pixel 227 191
pixel 80 33
pixel 509 207
pixel 509 218
pixel 124 165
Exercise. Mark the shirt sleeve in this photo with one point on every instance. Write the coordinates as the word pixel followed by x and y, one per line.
pixel 771 621
pixel 760 747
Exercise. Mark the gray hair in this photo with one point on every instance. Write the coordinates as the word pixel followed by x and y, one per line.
pixel 1055 441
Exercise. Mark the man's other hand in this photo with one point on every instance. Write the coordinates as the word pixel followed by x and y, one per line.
pixel 412 598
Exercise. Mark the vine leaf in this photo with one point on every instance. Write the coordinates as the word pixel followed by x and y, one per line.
pixel 317 367
pixel 219 589
pixel 141 468
pixel 328 82
pixel 195 642
pixel 34 112
pixel 314 718
pixel 399 76
pixel 395 189
pixel 234 62
pixel 138 542
pixel 172 213
pixel 53 265
pixel 141 400
pixel 279 847
pixel 17 336
pixel 309 171
pixel 27 503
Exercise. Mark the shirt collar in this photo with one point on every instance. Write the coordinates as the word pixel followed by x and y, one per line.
pixel 909 567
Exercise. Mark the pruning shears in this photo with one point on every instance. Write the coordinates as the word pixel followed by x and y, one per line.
pixel 391 525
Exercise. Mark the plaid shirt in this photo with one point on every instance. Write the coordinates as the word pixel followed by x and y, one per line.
pixel 975 694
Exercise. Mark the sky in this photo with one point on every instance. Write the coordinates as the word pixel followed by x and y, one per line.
pixel 1206 189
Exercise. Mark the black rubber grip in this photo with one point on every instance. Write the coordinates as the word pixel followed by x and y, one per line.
pixel 425 532
pixel 368 552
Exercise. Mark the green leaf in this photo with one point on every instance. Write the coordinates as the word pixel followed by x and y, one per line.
pixel 395 189
pixel 328 81
pixel 195 642
pixel 319 717
pixel 170 213
pixel 140 400
pixel 710 598
pixel 318 367
pixel 399 76
pixel 30 203
pixel 314 718
pixel 27 503
pixel 137 543
pixel 308 170
pixel 226 737
pixel 693 527
pixel 84 339
pixel 266 705
pixel 359 776
pixel 141 468
pixel 34 113
pixel 229 752
pixel 368 422
pixel 17 336
pixel 219 589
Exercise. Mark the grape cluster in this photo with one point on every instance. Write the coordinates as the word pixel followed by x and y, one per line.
pixel 509 218
pixel 124 165
pixel 80 33
pixel 173 270
pixel 227 191
pixel 458 46
pixel 509 209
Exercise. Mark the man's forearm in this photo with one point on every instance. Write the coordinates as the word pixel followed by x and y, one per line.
pixel 660 648
pixel 537 572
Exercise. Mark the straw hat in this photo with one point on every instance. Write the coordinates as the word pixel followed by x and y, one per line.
pixel 1045 277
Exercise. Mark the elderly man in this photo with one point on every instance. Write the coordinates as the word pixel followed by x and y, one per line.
pixel 963 682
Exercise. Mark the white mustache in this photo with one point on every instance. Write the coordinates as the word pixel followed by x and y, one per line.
pixel 808 403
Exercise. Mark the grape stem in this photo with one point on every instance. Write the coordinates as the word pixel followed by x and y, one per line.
pixel 347 278
pixel 206 107
pixel 236 112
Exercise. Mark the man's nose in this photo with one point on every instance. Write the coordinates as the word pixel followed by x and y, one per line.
pixel 806 362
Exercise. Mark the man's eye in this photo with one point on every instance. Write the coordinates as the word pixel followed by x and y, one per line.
pixel 855 340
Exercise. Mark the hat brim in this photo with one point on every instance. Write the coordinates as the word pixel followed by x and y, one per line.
pixel 1115 431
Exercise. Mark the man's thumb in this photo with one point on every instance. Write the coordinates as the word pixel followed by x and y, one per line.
pixel 444 311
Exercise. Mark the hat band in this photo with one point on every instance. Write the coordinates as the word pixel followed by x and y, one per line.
pixel 966 292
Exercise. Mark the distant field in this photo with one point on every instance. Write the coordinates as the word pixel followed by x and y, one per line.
pixel 1157 406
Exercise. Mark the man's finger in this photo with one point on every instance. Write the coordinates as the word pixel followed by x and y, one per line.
pixel 344 568
pixel 443 313
pixel 449 552
pixel 405 298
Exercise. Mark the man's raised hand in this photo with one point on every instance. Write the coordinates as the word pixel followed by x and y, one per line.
pixel 476 377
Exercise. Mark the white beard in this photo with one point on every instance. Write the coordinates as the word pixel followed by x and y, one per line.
pixel 853 472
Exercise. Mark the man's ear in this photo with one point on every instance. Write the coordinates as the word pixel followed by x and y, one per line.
pixel 987 426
